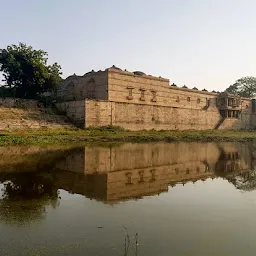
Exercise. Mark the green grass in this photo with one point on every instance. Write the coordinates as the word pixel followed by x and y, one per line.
pixel 117 134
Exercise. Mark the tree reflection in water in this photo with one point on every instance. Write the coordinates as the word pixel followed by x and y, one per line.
pixel 25 197
pixel 244 181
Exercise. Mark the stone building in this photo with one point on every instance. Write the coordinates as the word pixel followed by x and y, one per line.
pixel 137 101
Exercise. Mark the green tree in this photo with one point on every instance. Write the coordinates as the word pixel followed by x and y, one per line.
pixel 26 72
pixel 244 87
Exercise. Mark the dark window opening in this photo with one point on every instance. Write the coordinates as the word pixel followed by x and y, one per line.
pixel 142 95
pixel 130 97
pixel 154 96
pixel 141 173
pixel 129 178
pixel 153 175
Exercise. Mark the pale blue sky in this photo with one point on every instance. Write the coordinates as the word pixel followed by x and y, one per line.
pixel 203 43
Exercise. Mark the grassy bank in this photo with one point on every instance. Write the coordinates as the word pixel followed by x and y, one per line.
pixel 117 134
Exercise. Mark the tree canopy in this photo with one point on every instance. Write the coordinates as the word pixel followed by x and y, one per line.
pixel 244 87
pixel 26 72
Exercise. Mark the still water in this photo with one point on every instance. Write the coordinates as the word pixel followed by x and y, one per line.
pixel 129 199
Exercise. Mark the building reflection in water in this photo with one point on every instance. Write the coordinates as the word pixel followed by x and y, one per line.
pixel 131 171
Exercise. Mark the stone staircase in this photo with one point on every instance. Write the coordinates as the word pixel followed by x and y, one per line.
pixel 219 123
pixel 230 123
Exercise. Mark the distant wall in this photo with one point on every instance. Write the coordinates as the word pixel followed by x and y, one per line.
pixel 98 113
pixel 75 110
pixel 132 116
pixel 92 85
pixel 253 120
pixel 15 102
pixel 139 117
pixel 247 119
pixel 138 101
pixel 116 85
pixel 148 90
pixel 244 122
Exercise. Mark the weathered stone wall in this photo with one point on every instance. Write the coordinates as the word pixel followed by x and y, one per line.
pixel 149 90
pixel 253 120
pixel 154 104
pixel 146 117
pixel 21 103
pixel 244 122
pixel 98 113
pixel 137 101
pixel 75 110
pixel 138 117
pixel 93 85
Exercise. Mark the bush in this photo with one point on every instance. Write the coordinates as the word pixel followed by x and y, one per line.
pixel 6 92
pixel 108 128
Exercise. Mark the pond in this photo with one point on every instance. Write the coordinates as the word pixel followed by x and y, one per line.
pixel 129 199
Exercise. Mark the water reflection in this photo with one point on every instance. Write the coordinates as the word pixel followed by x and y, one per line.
pixel 128 171
pixel 25 197
pixel 188 220
pixel 135 170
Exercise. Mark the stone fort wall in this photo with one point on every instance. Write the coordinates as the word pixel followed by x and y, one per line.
pixel 145 117
pixel 148 90
pixel 92 85
pixel 137 101
pixel 139 117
